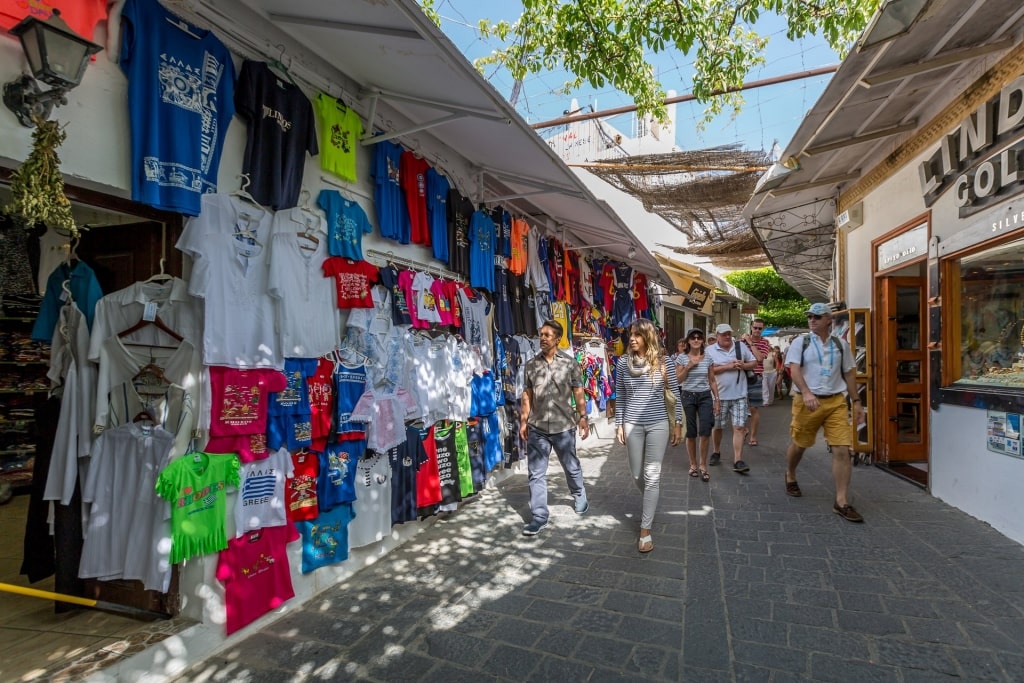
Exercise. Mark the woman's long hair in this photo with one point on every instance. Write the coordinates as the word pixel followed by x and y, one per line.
pixel 645 330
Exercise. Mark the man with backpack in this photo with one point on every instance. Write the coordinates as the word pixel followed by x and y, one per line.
pixel 821 366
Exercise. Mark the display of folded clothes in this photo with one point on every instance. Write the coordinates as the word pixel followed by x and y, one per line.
pixel 15 306
pixel 19 348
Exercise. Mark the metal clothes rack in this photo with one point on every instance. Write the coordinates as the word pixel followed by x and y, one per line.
pixel 345 188
pixel 389 257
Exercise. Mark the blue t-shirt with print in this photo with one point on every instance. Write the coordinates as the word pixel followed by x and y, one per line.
pixel 347 223
pixel 180 102
pixel 336 482
pixel 437 213
pixel 481 251
pixel 388 198
pixel 325 539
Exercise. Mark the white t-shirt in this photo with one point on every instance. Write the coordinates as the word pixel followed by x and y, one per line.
pixel 261 498
pixel 426 370
pixel 229 245
pixel 732 384
pixel 463 363
pixel 476 328
pixel 824 364
pixel 372 506
pixel 308 322
pixel 426 306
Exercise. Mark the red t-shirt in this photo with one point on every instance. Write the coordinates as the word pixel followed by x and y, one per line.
pixel 300 496
pixel 255 573
pixel 353 280
pixel 428 479
pixel 413 174
pixel 240 399
pixel 81 15
pixel 321 402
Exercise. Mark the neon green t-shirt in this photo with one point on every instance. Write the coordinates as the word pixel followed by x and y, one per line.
pixel 340 130
pixel 196 486
pixel 462 457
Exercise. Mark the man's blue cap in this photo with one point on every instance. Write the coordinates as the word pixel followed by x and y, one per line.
pixel 818 309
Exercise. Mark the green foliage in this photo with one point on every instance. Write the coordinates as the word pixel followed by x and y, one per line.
pixel 603 42
pixel 781 305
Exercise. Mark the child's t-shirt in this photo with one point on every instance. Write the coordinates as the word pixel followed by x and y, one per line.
pixel 196 486
pixel 347 223
pixel 261 497
pixel 320 386
pixel 302 499
pixel 337 473
pixel 373 500
pixel 340 130
pixel 325 539
pixel 352 281
pixel 240 399
pixel 255 573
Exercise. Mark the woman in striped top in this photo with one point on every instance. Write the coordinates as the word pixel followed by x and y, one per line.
pixel 700 400
pixel 641 418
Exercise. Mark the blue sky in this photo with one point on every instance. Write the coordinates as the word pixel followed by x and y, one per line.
pixel 771 114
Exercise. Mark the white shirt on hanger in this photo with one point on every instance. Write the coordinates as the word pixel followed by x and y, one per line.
pixel 308 322
pixel 372 506
pixel 228 242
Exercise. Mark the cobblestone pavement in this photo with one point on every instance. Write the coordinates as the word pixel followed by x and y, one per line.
pixel 744 584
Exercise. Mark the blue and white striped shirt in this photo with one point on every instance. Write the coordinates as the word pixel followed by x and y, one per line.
pixel 641 400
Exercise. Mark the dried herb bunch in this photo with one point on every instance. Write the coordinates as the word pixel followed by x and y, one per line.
pixel 37 186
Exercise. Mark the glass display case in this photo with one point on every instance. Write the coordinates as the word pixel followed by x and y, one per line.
pixel 989 345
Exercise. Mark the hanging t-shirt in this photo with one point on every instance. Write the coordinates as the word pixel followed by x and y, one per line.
pixel 476 325
pixel 349 385
pixel 441 439
pixel 340 131
pixel 325 539
pixel 426 304
pixel 337 473
pixel 301 493
pixel 438 188
pixel 405 280
pixel 240 399
pixel 492 441
pixel 442 302
pixel 536 273
pixel 352 280
pixel 481 251
pixel 228 245
pixel 81 15
pixel 414 187
pixel 255 573
pixel 372 505
pixel 502 233
pixel 392 213
pixel 460 211
pixel 280 131
pixel 180 102
pixel 623 310
pixel 428 479
pixel 406 458
pixel 347 223
pixel 288 419
pixel 560 313
pixel 389 277
pixel 320 386
pixel 196 486
pixel 261 497
pixel 85 292
pixel 503 302
pixel 517 244
pixel 385 413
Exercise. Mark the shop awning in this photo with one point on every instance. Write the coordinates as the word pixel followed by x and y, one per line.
pixel 388 57
pixel 689 278
pixel 880 98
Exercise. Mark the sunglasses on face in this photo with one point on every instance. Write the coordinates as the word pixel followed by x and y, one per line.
pixel 811 316
pixel 756 329
pixel 696 337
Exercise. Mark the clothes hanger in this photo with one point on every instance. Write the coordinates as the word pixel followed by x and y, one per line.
pixel 280 66
pixel 158 323
pixel 161 276
pixel 183 26
pixel 145 416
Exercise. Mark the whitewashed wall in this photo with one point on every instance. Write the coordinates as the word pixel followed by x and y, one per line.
pixel 963 472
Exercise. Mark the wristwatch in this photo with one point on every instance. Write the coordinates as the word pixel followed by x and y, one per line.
pixel 582 416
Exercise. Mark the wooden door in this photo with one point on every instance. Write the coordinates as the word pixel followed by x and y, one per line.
pixel 903 366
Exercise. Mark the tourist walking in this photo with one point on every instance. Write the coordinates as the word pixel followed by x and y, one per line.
pixel 553 382
pixel 730 362
pixel 643 375
pixel 760 348
pixel 700 401
pixel 822 370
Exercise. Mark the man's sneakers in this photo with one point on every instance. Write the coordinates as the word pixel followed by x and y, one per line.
pixel 740 466
pixel 534 528
pixel 582 505
pixel 847 512
pixel 715 459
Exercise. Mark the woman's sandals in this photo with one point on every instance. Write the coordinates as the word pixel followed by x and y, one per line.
pixel 645 545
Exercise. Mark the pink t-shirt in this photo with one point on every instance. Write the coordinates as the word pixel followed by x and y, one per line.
pixel 240 399
pixel 405 280
pixel 443 303
pixel 353 281
pixel 255 573
pixel 385 415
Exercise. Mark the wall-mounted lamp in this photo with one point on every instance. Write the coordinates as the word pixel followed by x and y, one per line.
pixel 57 56
pixel 631 253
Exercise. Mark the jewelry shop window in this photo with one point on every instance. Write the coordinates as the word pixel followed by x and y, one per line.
pixel 988 349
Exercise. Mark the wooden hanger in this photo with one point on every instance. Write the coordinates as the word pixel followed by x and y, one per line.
pixel 145 416
pixel 160 325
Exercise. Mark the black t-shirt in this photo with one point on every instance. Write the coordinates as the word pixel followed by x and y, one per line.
pixel 460 210
pixel 399 306
pixel 280 131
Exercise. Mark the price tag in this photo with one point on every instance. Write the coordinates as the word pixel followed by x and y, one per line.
pixel 149 314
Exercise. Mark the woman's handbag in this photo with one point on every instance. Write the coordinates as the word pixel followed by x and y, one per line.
pixel 670 399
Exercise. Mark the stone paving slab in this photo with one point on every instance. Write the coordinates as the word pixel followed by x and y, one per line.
pixel 744 584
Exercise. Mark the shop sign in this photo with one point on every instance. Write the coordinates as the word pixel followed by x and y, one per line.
pixel 697 296
pixel 982 158
pixel 904 247
pixel 1003 433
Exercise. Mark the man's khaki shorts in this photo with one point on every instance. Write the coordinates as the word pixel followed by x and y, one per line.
pixel 831 414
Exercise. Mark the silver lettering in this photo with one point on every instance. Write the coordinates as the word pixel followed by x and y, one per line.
pixel 1011 107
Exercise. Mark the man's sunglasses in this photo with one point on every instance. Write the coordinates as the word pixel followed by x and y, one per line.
pixel 816 317
pixel 756 329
